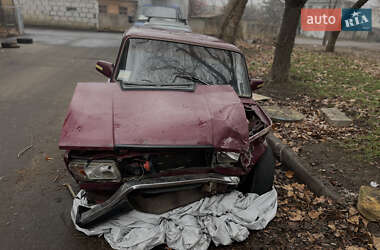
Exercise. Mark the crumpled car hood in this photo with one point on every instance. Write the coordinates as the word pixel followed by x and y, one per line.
pixel 102 116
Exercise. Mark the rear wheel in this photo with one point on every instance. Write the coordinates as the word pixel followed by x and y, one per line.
pixel 260 179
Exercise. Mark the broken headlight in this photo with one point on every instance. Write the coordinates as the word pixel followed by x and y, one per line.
pixel 227 157
pixel 102 170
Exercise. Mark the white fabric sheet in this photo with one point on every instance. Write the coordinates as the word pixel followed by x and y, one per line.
pixel 223 219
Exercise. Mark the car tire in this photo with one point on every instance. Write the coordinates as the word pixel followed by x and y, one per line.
pixel 10 45
pixel 25 40
pixel 260 179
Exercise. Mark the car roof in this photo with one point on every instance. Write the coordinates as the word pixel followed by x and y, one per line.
pixel 179 36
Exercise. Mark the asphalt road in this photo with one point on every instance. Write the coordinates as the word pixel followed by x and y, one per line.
pixel 361 45
pixel 36 85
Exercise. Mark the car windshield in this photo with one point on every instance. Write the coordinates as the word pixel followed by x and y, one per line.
pixel 160 11
pixel 156 63
pixel 162 8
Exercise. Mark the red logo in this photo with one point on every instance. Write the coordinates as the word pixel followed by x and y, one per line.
pixel 321 19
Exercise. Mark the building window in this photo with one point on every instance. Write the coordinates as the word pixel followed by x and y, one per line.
pixel 71 9
pixel 123 10
pixel 103 9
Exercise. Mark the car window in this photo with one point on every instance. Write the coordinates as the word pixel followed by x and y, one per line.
pixel 152 61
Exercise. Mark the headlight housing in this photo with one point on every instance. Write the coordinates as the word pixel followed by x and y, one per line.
pixel 227 157
pixel 97 170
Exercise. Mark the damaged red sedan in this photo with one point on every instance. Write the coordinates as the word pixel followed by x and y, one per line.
pixel 174 123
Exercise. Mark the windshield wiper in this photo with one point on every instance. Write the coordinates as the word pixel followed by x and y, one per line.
pixel 138 84
pixel 191 78
pixel 154 85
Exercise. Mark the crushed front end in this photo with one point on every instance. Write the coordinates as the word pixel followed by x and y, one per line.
pixel 157 179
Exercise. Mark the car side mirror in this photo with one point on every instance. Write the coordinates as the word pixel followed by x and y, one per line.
pixel 256 84
pixel 105 68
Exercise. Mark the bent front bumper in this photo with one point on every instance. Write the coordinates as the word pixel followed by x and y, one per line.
pixel 119 200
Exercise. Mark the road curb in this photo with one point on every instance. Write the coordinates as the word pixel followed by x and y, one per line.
pixel 287 156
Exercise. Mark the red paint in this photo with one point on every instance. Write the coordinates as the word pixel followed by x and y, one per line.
pixel 321 19
pixel 258 150
pixel 88 124
pixel 109 117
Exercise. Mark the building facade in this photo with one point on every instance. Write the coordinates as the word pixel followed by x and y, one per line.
pixel 73 13
pixel 116 15
pixel 79 14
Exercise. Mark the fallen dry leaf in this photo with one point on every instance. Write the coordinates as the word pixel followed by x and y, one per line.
pixel 288 187
pixel 283 202
pixel 289 174
pixel 365 222
pixel 290 193
pixel 354 220
pixel 317 236
pixel 299 187
pixel 354 248
pixel 332 226
pixel 296 216
pixel 320 199
pixel 314 214
pixel 352 211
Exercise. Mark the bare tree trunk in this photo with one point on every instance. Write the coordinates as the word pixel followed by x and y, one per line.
pixel 285 40
pixel 327 33
pixel 334 34
pixel 231 19
pixel 324 38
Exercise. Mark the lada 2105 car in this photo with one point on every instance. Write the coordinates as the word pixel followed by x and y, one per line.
pixel 174 123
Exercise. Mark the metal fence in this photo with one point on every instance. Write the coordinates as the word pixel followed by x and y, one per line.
pixel 11 22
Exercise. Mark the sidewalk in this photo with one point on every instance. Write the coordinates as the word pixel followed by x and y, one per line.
pixel 340 43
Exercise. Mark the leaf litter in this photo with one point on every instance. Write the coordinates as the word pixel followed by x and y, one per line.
pixel 307 221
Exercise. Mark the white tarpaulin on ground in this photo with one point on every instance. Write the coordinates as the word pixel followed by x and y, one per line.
pixel 223 219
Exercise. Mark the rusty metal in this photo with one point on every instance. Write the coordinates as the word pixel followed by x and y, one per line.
pixel 139 119
pixel 120 198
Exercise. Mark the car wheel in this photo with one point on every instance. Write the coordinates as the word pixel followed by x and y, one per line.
pixel 25 40
pixel 10 45
pixel 260 179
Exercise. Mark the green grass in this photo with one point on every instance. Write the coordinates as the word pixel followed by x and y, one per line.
pixel 351 79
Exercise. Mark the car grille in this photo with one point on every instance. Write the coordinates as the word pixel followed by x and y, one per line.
pixel 162 160
pixel 181 159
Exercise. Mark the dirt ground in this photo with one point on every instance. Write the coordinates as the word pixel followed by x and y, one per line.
pixel 343 168
pixel 321 145
pixel 305 221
